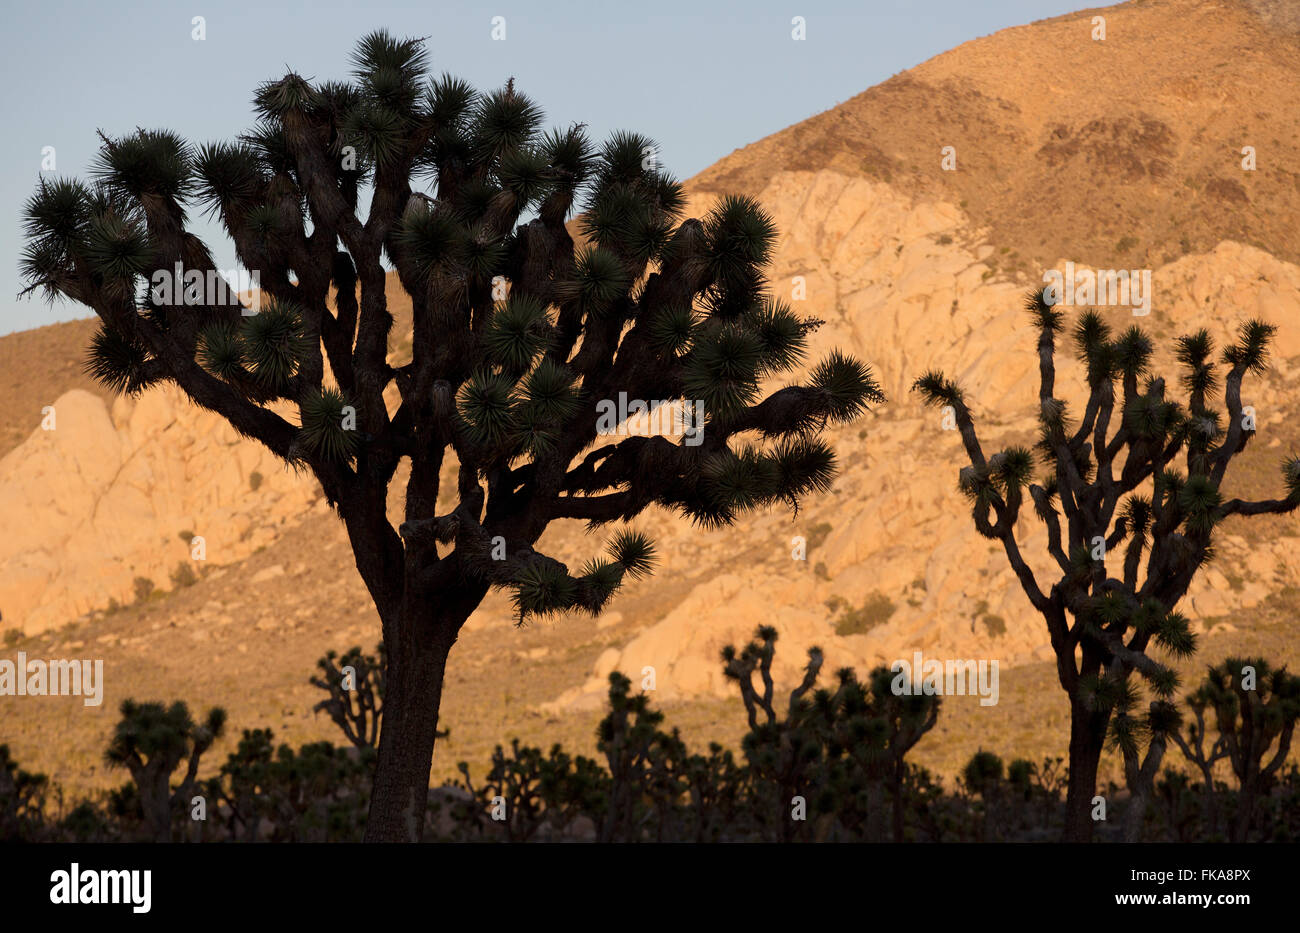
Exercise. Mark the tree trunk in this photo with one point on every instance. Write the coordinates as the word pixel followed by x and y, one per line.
pixel 1210 800
pixel 151 780
pixel 1135 816
pixel 1246 800
pixel 1087 736
pixel 875 810
pixel 416 666
pixel 1142 786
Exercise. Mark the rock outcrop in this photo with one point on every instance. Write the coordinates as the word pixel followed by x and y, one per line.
pixel 107 498
pixel 898 555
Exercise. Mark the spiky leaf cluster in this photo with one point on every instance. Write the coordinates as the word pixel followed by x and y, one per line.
pixel 547 276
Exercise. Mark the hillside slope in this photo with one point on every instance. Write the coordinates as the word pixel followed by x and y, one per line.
pixel 1123 152
pixel 1067 149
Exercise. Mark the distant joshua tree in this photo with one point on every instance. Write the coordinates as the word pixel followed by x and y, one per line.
pixel 1114 481
pixel 834 746
pixel 522 339
pixel 354 698
pixel 22 797
pixel 151 741
pixel 1256 708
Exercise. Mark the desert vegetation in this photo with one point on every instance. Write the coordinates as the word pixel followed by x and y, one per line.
pixel 825 762
pixel 1139 471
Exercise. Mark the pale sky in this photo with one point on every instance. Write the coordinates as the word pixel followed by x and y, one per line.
pixel 701 78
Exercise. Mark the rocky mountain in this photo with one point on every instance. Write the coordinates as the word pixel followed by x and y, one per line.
pixel 1122 151
pixel 1118 153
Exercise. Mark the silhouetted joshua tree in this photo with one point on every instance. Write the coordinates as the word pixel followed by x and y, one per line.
pixel 524 790
pixel 1130 734
pixel 641 760
pixel 1113 478
pixel 519 336
pixel 982 777
pixel 840 749
pixel 1254 707
pixel 882 727
pixel 785 755
pixel 150 741
pixel 22 798
pixel 1195 750
pixel 354 687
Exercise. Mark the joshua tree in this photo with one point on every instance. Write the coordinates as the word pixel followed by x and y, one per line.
pixel 521 342
pixel 1254 707
pixel 784 754
pixel 315 794
pixel 1193 747
pixel 1128 733
pixel 638 755
pixel 881 726
pixel 355 697
pixel 150 741
pixel 536 790
pixel 1113 478
pixel 983 778
pixel 717 786
pixel 512 783
pixel 845 744
pixel 244 783
pixel 22 798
